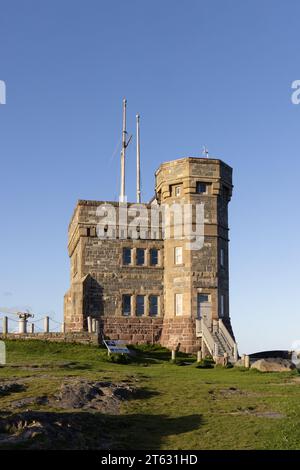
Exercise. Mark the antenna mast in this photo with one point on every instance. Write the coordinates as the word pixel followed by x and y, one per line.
pixel 124 146
pixel 122 193
pixel 138 169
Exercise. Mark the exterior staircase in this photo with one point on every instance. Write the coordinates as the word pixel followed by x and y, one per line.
pixel 217 340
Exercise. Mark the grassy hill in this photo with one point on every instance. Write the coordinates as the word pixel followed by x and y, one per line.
pixel 170 406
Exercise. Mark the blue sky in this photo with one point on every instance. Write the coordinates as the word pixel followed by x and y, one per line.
pixel 217 73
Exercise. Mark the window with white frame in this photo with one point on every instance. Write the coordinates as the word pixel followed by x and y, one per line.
pixel 140 256
pixel 126 305
pixel 126 256
pixel 153 256
pixel 178 304
pixel 201 188
pixel 222 305
pixel 177 191
pixel 178 255
pixel 140 305
pixel 153 305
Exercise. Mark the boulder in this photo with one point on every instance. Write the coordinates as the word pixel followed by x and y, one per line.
pixel 239 363
pixel 273 364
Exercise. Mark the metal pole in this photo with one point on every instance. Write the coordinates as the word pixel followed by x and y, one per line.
pixel 46 325
pixel 138 170
pixel 122 193
pixel 5 325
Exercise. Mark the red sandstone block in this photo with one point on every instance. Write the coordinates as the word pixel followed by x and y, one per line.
pixel 138 337
pixel 125 336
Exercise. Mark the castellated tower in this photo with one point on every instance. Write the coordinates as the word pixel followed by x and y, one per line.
pixel 152 288
pixel 196 281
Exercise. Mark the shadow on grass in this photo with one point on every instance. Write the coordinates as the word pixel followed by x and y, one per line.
pixel 82 430
pixel 155 353
pixel 7 389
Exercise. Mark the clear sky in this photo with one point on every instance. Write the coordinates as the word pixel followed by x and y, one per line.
pixel 215 72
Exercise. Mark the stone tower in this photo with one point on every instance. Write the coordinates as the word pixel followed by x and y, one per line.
pixel 154 288
pixel 196 282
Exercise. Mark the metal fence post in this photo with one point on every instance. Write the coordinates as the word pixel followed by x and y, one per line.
pixel 5 325
pixel 46 324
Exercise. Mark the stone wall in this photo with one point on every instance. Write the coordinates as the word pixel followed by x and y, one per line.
pixel 132 330
pixel 98 277
pixel 82 337
pixel 180 332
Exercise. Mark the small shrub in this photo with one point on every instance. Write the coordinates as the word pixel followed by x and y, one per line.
pixel 228 366
pixel 118 358
pixel 206 363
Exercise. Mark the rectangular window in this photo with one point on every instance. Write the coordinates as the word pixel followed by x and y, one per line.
pixel 177 191
pixel 201 188
pixel 140 256
pixel 153 305
pixel 140 305
pixel 153 256
pixel 178 304
pixel 222 306
pixel 126 305
pixel 178 255
pixel 222 257
pixel 126 256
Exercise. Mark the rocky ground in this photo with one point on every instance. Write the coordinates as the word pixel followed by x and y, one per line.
pixel 84 404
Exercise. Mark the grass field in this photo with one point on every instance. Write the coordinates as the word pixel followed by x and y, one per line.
pixel 177 407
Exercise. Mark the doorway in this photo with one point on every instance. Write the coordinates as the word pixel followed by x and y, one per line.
pixel 204 308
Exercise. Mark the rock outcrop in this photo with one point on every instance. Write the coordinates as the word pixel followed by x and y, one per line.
pixel 275 364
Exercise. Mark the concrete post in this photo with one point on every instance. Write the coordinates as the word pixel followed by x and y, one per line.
pixel 63 327
pixel 94 325
pixel 89 324
pixel 5 325
pixel 32 328
pixel 235 352
pixel 225 359
pixel 46 324
pixel 97 327
pixel 199 356
pixel 22 326
pixel 247 362
pixel 173 355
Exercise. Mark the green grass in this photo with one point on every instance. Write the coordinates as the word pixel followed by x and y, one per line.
pixel 179 407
